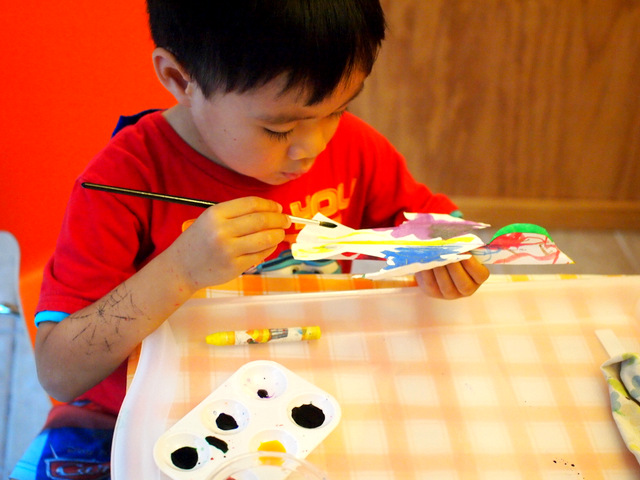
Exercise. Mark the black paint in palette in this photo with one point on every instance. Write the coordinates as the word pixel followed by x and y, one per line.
pixel 218 443
pixel 185 458
pixel 308 416
pixel 226 422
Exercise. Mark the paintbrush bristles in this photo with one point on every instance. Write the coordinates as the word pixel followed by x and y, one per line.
pixel 327 224
pixel 311 221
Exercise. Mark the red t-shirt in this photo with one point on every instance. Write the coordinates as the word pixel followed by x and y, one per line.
pixel 359 180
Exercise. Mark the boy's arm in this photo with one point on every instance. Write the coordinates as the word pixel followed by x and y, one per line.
pixel 455 280
pixel 74 355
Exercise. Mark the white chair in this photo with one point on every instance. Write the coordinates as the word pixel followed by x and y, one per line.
pixel 24 405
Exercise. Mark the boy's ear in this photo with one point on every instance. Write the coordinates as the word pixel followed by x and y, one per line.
pixel 173 76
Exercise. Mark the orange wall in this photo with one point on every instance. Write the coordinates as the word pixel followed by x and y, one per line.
pixel 69 69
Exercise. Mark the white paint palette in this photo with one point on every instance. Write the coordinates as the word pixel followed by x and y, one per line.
pixel 262 405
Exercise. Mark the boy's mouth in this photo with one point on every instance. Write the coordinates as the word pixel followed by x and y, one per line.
pixel 294 175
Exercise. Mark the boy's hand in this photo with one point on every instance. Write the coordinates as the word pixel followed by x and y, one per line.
pixel 455 280
pixel 228 239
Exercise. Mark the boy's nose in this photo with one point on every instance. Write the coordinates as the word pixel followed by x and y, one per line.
pixel 308 143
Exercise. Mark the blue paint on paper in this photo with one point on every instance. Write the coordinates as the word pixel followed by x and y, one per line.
pixel 408 255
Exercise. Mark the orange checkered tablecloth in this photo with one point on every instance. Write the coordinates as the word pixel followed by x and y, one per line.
pixel 505 384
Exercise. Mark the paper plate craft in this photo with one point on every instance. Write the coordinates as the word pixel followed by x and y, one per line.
pixel 425 241
pixel 262 407
pixel 622 373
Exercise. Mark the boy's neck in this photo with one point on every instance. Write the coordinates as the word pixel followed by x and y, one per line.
pixel 180 120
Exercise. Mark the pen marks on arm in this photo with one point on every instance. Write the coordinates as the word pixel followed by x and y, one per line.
pixel 89 330
pixel 101 328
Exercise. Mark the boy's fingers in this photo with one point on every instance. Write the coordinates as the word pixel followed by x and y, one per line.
pixel 247 215
pixel 455 280
pixel 476 270
pixel 256 223
pixel 449 280
pixel 427 281
pixel 252 259
pixel 258 242
pixel 243 206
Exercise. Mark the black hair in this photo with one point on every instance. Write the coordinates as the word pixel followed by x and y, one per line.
pixel 238 45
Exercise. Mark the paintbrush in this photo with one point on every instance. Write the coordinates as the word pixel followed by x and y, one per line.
pixel 187 201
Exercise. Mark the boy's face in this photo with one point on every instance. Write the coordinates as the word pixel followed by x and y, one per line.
pixel 264 134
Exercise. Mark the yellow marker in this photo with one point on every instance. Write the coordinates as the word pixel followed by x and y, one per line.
pixel 264 335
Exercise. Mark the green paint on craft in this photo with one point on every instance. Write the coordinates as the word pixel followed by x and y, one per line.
pixel 522 228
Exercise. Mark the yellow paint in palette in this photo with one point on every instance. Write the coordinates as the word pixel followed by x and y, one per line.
pixel 272 446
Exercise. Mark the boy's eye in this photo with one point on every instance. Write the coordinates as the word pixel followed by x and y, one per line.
pixel 282 136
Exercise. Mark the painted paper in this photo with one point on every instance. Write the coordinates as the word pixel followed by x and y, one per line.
pixel 426 241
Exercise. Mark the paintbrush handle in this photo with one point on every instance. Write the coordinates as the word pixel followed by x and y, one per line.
pixel 193 202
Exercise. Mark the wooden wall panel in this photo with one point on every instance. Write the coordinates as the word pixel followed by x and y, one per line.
pixel 536 101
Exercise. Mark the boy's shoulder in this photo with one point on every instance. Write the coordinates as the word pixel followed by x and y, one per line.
pixel 353 123
pixel 143 148
pixel 144 134
pixel 355 131
pixel 149 123
pixel 129 120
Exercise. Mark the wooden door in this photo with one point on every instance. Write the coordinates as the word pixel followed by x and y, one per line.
pixel 522 111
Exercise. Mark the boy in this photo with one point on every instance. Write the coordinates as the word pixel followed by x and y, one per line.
pixel 260 126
